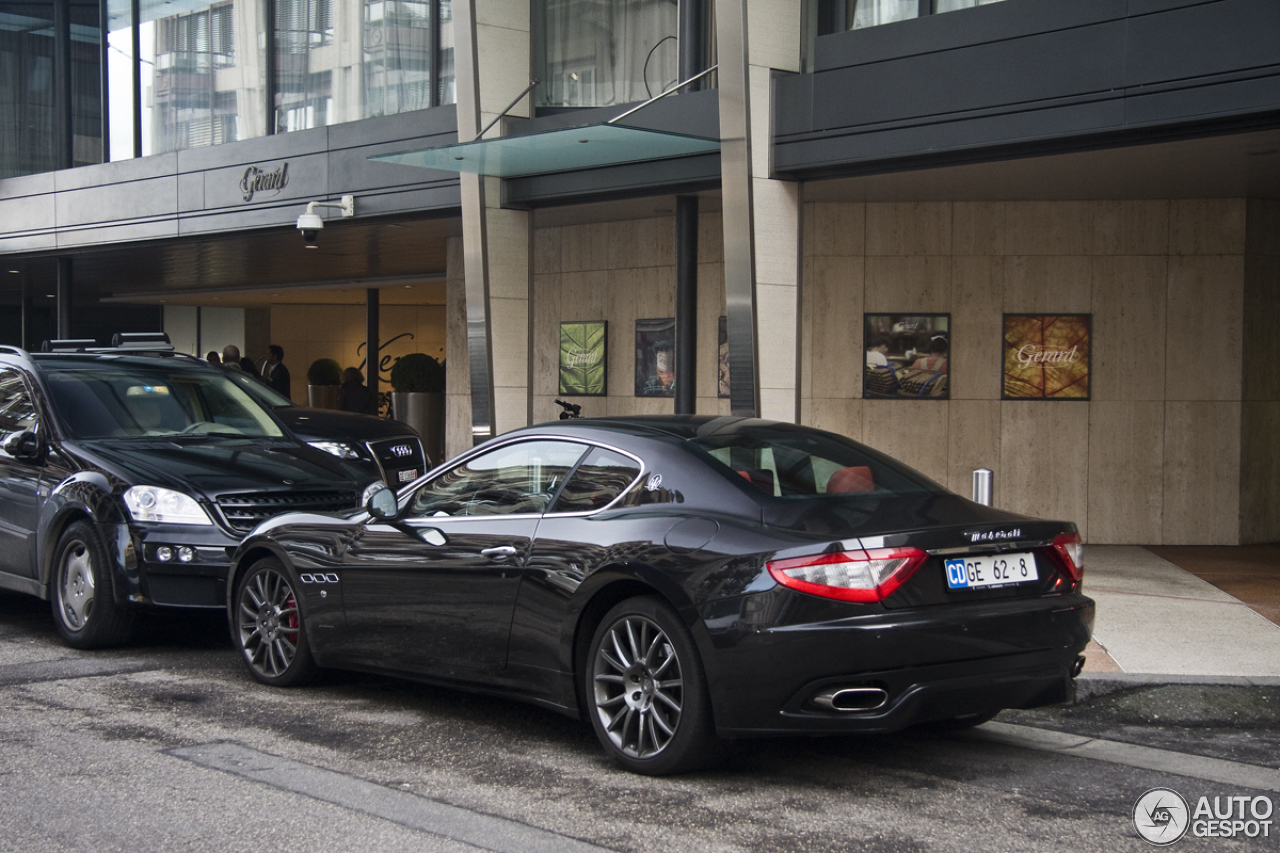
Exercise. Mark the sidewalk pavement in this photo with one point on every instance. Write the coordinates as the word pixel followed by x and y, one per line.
pixel 1184 610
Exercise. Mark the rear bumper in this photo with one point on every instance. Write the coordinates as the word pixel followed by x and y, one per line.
pixel 931 664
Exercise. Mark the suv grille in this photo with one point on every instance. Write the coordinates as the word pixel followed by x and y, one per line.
pixel 245 512
pixel 401 459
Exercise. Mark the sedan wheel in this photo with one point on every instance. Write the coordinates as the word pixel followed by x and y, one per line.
pixel 84 608
pixel 269 626
pixel 646 689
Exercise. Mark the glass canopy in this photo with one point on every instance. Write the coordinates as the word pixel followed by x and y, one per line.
pixel 555 151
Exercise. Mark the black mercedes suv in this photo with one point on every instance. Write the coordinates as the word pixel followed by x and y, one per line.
pixel 127 479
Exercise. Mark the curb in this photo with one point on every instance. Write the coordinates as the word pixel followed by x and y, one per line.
pixel 1089 687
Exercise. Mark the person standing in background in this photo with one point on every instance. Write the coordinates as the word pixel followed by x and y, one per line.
pixel 231 357
pixel 355 396
pixel 275 373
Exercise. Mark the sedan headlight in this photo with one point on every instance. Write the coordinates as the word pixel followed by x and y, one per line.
pixel 340 449
pixel 151 503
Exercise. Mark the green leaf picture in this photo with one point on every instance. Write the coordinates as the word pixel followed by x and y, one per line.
pixel 582 358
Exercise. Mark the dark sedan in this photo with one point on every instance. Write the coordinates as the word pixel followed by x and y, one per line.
pixel 386 448
pixel 678 580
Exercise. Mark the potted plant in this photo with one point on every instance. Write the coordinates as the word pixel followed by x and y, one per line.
pixel 324 380
pixel 417 398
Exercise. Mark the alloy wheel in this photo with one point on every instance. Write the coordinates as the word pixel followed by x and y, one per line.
pixel 269 622
pixel 638 687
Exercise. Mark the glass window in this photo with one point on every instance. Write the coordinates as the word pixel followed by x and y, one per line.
pixel 787 463
pixel 515 478
pixel 602 52
pixel 17 410
pixel 953 5
pixel 872 13
pixel 324 79
pixel 602 476
pixel 203 73
pixel 120 98
pixel 26 89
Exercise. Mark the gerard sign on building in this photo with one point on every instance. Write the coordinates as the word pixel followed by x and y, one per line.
pixel 256 181
pixel 1046 356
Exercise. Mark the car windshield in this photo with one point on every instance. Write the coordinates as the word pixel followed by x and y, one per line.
pixel 258 390
pixel 789 462
pixel 117 399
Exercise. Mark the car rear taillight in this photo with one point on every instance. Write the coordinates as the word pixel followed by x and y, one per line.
pixel 870 575
pixel 1071 550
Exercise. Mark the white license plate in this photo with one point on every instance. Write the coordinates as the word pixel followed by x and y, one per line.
pixel 407 476
pixel 991 570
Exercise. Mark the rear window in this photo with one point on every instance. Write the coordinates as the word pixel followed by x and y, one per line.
pixel 801 463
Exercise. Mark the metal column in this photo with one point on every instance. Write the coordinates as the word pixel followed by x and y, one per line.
pixel 686 305
pixel 739 224
pixel 63 299
pixel 475 259
pixel 64 149
pixel 371 344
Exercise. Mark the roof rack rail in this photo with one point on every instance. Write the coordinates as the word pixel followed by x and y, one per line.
pixel 69 345
pixel 148 341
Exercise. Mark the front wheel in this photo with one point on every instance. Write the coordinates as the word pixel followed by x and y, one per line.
pixel 645 690
pixel 268 626
pixel 84 608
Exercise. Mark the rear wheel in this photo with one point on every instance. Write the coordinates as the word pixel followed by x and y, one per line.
pixel 84 607
pixel 646 692
pixel 268 627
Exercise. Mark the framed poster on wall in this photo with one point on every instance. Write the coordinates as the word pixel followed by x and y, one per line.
pixel 583 358
pixel 1046 356
pixel 906 356
pixel 656 357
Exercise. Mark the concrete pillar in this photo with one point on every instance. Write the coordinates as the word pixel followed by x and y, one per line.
pixel 762 217
pixel 492 47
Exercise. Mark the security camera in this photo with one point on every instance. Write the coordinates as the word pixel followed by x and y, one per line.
pixel 310 223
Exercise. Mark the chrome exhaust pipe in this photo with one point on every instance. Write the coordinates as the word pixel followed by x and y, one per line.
pixel 852 699
pixel 1077 666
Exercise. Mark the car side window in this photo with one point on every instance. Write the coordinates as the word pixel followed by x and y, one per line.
pixel 603 475
pixel 514 478
pixel 17 408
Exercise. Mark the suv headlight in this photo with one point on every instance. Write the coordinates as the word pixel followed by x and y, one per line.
pixel 151 503
pixel 340 449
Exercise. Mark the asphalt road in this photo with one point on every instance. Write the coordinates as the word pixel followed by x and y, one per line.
pixel 168 745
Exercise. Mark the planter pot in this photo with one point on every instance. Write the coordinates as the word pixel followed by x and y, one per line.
pixel 424 411
pixel 323 396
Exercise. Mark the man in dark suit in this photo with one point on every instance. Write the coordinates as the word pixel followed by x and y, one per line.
pixel 275 373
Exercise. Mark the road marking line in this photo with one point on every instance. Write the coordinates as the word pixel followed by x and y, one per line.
pixel 1132 755
pixel 453 823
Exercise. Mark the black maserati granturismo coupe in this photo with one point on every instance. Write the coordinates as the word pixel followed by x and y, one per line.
pixel 678 581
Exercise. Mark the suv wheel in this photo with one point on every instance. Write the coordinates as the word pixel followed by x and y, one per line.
pixel 84 609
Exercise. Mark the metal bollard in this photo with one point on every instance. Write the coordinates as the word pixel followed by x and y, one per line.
pixel 982 481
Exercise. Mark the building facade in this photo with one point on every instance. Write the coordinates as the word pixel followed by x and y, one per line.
pixel 1061 219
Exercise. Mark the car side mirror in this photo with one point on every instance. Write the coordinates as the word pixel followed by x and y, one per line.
pixel 24 445
pixel 382 504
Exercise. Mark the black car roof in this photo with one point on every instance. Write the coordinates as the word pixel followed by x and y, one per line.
pixel 87 359
pixel 674 426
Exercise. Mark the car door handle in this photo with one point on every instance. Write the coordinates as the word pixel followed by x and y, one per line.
pixel 499 553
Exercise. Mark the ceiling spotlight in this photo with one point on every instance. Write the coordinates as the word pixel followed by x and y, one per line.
pixel 310 223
